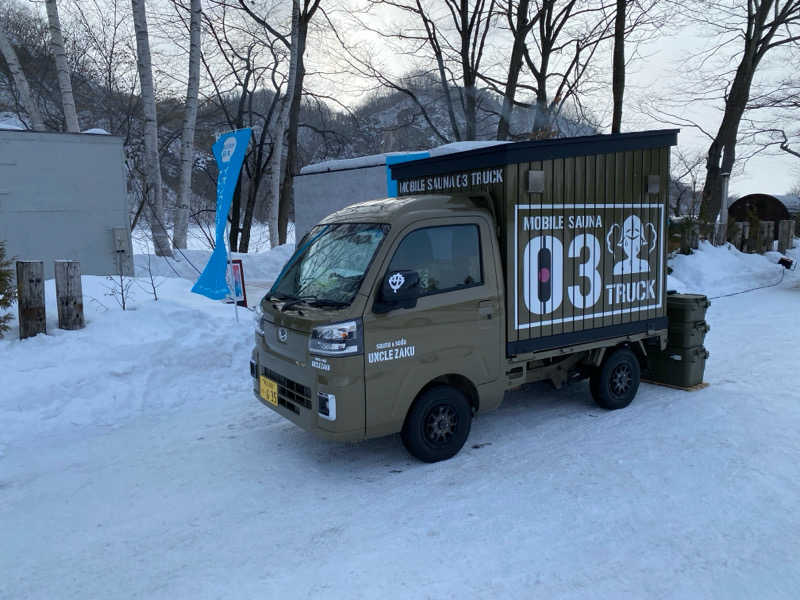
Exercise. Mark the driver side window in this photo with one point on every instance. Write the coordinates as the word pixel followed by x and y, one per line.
pixel 446 258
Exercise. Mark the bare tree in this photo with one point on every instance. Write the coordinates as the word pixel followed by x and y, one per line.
pixel 277 125
pixel 558 41
pixel 286 197
pixel 618 69
pixel 189 122
pixel 442 40
pixel 153 192
pixel 687 179
pixel 296 45
pixel 569 33
pixel 770 123
pixel 520 22
pixel 62 68
pixel 243 60
pixel 110 60
pixel 755 28
pixel 21 82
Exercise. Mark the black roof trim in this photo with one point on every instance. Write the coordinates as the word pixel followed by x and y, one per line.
pixel 535 150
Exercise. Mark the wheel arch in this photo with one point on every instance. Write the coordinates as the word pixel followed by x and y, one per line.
pixel 457 381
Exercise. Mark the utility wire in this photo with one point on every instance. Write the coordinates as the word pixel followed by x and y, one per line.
pixel 762 287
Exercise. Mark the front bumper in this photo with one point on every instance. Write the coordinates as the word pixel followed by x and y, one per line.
pixel 301 381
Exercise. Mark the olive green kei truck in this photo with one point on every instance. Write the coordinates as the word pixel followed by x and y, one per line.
pixel 492 268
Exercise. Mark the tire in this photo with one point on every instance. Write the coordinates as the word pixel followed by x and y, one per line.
pixel 438 424
pixel 615 383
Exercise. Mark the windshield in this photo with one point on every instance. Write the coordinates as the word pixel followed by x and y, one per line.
pixel 329 266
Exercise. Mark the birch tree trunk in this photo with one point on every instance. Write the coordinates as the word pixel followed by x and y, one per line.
pixel 153 191
pixel 189 121
pixel 62 68
pixel 278 128
pixel 21 83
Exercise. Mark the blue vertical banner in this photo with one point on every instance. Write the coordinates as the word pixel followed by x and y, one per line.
pixel 229 150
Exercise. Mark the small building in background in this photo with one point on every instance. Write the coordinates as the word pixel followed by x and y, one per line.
pixel 759 222
pixel 767 207
pixel 63 196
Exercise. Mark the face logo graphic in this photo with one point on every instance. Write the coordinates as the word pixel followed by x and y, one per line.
pixel 396 281
pixel 631 238
pixel 283 335
pixel 228 147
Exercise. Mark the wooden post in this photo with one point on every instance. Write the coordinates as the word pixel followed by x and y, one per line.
pixel 735 234
pixel 792 227
pixel 69 294
pixel 30 298
pixel 694 236
pixel 746 244
pixel 767 236
pixel 783 235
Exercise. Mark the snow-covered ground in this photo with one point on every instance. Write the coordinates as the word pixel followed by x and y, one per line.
pixel 135 463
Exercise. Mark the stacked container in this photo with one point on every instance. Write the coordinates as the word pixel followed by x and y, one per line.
pixel 683 362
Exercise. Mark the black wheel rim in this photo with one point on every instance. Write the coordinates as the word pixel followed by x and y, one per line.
pixel 440 425
pixel 621 380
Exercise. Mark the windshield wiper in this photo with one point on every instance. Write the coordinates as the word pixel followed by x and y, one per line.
pixel 293 300
pixel 324 302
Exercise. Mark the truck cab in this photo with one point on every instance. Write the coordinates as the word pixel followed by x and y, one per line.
pixel 381 302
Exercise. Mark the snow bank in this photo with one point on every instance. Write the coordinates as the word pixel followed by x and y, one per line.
pixel 188 264
pixel 11 121
pixel 718 270
pixel 262 264
pixel 149 359
pixel 197 238
pixel 146 360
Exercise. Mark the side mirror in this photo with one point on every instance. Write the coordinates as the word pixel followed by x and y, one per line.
pixel 399 289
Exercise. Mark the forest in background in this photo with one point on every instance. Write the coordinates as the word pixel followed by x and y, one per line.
pixel 318 80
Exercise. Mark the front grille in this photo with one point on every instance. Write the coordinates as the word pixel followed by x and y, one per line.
pixel 290 393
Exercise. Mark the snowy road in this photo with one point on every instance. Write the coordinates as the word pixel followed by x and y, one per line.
pixel 681 495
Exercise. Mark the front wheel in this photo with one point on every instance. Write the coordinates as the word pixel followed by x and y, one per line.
pixel 437 424
pixel 616 382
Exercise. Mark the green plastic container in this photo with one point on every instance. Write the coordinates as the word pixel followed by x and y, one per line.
pixel 687 308
pixel 682 367
pixel 687 335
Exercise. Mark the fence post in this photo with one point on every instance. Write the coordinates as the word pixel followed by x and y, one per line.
pixel 694 236
pixel 783 236
pixel 69 294
pixel 767 236
pixel 30 298
pixel 792 227
pixel 746 237
pixel 736 234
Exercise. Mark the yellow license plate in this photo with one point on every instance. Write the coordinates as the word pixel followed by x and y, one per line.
pixel 268 390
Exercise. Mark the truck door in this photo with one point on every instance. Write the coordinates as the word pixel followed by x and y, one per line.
pixel 455 327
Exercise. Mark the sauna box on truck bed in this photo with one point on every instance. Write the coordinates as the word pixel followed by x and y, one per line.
pixel 494 267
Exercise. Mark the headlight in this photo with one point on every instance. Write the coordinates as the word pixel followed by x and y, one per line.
pixel 259 314
pixel 338 339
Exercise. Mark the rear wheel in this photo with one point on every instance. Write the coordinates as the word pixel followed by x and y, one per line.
pixel 615 383
pixel 437 424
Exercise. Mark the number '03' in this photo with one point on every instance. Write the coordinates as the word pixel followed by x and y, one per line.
pixel 543 273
